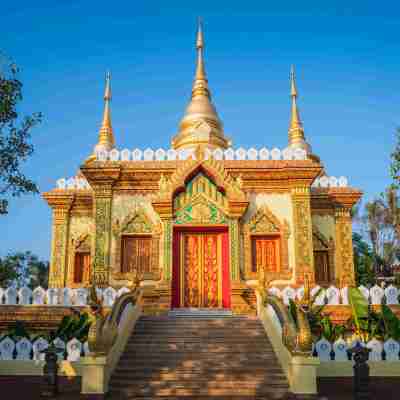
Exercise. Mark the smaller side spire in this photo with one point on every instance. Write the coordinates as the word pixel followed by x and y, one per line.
pixel 296 131
pixel 106 135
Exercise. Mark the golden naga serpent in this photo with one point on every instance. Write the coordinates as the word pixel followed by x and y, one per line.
pixel 103 330
pixel 296 335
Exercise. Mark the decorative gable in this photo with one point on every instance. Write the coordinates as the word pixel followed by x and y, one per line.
pixel 201 203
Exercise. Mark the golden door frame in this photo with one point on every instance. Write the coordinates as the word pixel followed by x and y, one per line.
pixel 139 223
pixel 201 273
pixel 265 223
pixel 321 243
pixel 78 244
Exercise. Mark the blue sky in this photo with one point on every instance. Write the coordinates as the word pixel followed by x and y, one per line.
pixel 347 60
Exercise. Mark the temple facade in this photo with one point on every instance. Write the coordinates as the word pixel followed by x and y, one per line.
pixel 202 223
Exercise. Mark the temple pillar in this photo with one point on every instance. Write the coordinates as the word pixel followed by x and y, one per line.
pixel 304 257
pixel 165 211
pixel 234 249
pixel 102 236
pixel 60 231
pixel 344 261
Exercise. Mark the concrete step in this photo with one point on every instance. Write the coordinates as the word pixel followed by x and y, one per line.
pixel 272 392
pixel 203 356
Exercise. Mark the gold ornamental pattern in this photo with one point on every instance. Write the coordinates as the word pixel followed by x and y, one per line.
pixel 303 235
pixel 344 248
pixel 102 240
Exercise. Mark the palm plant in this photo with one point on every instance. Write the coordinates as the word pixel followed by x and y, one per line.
pixel 382 221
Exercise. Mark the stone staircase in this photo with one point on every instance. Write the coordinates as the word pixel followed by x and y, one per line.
pixel 175 357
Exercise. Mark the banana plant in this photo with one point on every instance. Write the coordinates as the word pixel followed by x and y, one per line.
pixel 359 310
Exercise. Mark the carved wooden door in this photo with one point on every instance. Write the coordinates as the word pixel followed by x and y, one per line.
pixel 201 270
pixel 136 254
pixel 82 267
pixel 321 264
pixel 265 252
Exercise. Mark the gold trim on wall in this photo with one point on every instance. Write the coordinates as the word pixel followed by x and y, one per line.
pixel 265 223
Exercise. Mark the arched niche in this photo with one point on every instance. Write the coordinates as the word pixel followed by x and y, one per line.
pixel 265 233
pixel 80 263
pixel 324 258
pixel 137 246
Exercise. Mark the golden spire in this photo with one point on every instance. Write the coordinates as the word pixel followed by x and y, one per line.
pixel 296 132
pixel 200 124
pixel 106 135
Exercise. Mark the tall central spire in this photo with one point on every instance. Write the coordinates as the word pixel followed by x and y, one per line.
pixel 106 136
pixel 200 124
pixel 296 132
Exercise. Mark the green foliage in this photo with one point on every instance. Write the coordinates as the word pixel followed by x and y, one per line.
pixel 74 326
pixel 18 331
pixel 391 323
pixel 395 161
pixel 23 268
pixel 15 132
pixel 382 223
pixel 359 308
pixel 363 261
pixel 397 280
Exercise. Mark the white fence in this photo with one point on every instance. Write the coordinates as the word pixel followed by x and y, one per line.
pixel 57 296
pixel 330 181
pixel 25 349
pixel 218 154
pixel 338 351
pixel 334 296
pixel 79 297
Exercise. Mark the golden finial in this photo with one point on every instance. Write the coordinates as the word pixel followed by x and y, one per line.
pixel 296 132
pixel 200 124
pixel 106 135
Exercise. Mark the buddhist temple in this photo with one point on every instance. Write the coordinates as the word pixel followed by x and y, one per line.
pixel 202 222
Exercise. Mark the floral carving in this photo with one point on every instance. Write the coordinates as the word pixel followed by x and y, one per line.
pixel 344 248
pixel 303 235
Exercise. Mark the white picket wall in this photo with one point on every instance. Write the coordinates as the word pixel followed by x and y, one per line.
pixel 57 296
pixel 240 154
pixel 25 349
pixel 184 154
pixel 335 296
pixel 337 351
pixel 79 297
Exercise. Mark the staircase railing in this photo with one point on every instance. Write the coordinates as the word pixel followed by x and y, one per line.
pixel 291 341
pixel 296 335
pixel 107 339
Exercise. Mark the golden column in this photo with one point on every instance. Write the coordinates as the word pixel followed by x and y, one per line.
pixel 102 236
pixel 304 257
pixel 344 261
pixel 61 204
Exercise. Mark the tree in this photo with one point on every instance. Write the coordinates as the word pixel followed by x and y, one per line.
pixel 23 269
pixel 15 132
pixel 382 222
pixel 363 261
pixel 395 162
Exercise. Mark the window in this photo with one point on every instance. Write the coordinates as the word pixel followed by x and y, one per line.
pixel 82 267
pixel 265 254
pixel 321 265
pixel 136 254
